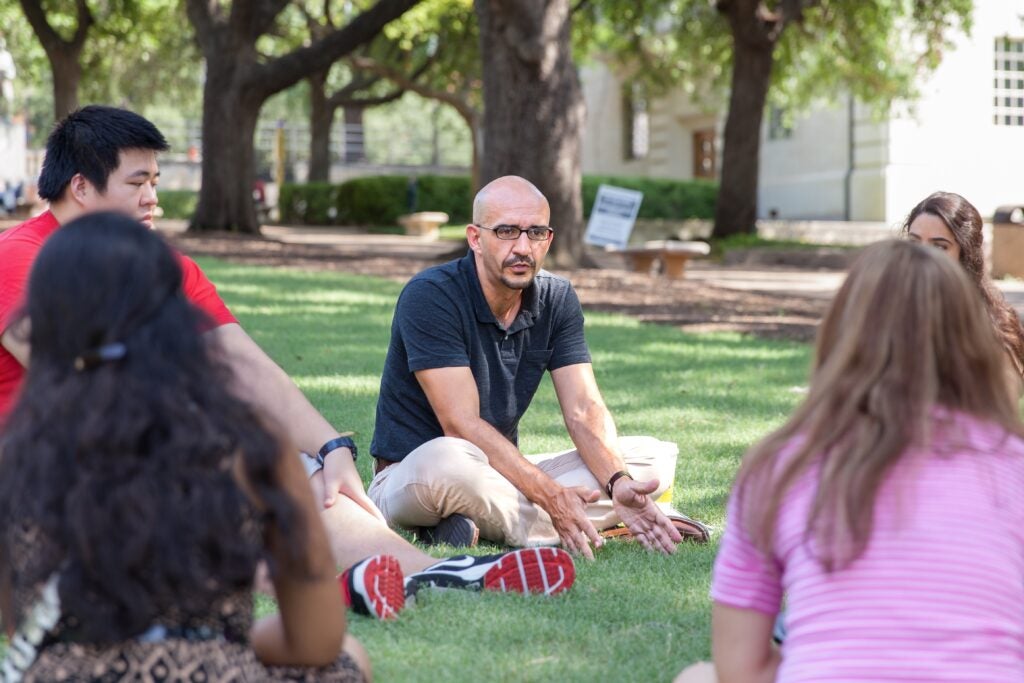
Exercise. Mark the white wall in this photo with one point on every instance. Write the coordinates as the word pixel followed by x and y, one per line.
pixel 946 140
pixel 803 175
pixel 673 120
pixel 950 142
pixel 13 162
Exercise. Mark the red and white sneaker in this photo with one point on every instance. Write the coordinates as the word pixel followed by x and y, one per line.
pixel 374 587
pixel 547 571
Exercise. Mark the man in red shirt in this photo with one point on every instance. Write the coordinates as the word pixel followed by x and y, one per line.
pixel 105 159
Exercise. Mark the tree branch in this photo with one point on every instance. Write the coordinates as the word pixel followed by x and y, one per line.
pixel 311 22
pixel 579 6
pixel 403 81
pixel 85 22
pixel 359 82
pixel 201 18
pixel 253 18
pixel 365 101
pixel 286 70
pixel 50 39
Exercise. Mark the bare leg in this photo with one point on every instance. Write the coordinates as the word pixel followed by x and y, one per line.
pixel 358 653
pixel 355 535
pixel 701 672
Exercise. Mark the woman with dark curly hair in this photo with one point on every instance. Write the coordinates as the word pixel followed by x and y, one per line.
pixel 948 221
pixel 137 495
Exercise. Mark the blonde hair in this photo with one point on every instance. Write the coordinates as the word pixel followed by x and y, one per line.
pixel 907 332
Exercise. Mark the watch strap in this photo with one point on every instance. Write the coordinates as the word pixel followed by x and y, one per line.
pixel 610 486
pixel 334 444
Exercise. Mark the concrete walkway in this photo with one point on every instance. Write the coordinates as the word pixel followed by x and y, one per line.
pixel 818 284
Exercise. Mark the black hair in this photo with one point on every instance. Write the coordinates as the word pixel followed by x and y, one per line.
pixel 126 466
pixel 89 141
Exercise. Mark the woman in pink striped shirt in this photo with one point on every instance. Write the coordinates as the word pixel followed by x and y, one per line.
pixel 890 507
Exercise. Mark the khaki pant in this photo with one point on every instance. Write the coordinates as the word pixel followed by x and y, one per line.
pixel 447 475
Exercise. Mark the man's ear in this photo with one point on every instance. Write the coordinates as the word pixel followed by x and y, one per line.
pixel 473 237
pixel 80 189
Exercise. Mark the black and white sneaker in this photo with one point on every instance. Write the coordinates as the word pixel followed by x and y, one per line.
pixel 547 571
pixel 456 530
pixel 375 587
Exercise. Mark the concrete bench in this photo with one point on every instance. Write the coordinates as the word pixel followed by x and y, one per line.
pixel 426 224
pixel 670 256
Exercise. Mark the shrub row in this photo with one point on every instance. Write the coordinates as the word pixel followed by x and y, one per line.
pixel 178 203
pixel 380 200
pixel 663 198
pixel 375 200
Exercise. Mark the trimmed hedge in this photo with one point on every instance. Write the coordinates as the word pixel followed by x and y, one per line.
pixel 450 194
pixel 380 200
pixel 178 203
pixel 663 198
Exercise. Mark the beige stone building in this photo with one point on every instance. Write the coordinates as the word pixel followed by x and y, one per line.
pixel 841 162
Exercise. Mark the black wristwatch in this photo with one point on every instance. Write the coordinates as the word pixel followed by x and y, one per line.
pixel 335 444
pixel 610 486
pixel 315 463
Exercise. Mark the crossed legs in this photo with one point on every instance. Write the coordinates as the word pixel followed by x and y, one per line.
pixel 447 476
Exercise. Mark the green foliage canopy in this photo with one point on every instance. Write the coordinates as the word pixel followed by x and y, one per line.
pixel 876 50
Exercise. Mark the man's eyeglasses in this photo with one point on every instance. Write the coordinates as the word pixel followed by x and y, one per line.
pixel 536 233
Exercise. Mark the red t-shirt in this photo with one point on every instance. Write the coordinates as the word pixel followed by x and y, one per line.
pixel 18 249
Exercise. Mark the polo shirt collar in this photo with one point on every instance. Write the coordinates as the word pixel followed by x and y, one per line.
pixel 528 310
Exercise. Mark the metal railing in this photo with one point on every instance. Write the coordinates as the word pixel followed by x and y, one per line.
pixel 372 144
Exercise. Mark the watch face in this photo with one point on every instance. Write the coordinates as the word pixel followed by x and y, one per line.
pixel 312 463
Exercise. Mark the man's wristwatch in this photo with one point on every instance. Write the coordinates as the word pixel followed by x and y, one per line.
pixel 315 463
pixel 610 486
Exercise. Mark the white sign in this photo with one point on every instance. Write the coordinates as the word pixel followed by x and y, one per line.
pixel 613 215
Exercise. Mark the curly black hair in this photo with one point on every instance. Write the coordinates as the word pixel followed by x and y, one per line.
pixel 126 466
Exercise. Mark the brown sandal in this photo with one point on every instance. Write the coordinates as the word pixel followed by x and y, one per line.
pixel 690 529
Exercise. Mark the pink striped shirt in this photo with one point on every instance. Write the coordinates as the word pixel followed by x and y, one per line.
pixel 938 594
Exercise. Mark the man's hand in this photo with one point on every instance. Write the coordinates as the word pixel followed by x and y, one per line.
pixel 339 476
pixel 568 511
pixel 637 511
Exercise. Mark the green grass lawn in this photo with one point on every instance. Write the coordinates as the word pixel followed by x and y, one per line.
pixel 631 616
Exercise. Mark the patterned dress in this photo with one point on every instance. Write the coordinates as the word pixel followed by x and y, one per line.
pixel 183 648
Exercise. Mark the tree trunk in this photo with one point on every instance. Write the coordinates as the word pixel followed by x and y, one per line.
pixel 736 207
pixel 533 109
pixel 229 124
pixel 67 72
pixel 321 120
pixel 477 137
pixel 63 54
pixel 237 84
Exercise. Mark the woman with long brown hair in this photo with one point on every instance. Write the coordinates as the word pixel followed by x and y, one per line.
pixel 948 221
pixel 890 507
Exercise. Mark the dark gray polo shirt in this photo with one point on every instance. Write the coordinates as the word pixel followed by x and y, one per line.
pixel 441 321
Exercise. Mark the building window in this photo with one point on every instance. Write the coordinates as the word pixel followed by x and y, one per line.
pixel 1008 82
pixel 778 127
pixel 636 122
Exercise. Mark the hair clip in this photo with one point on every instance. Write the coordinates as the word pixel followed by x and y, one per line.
pixel 104 354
